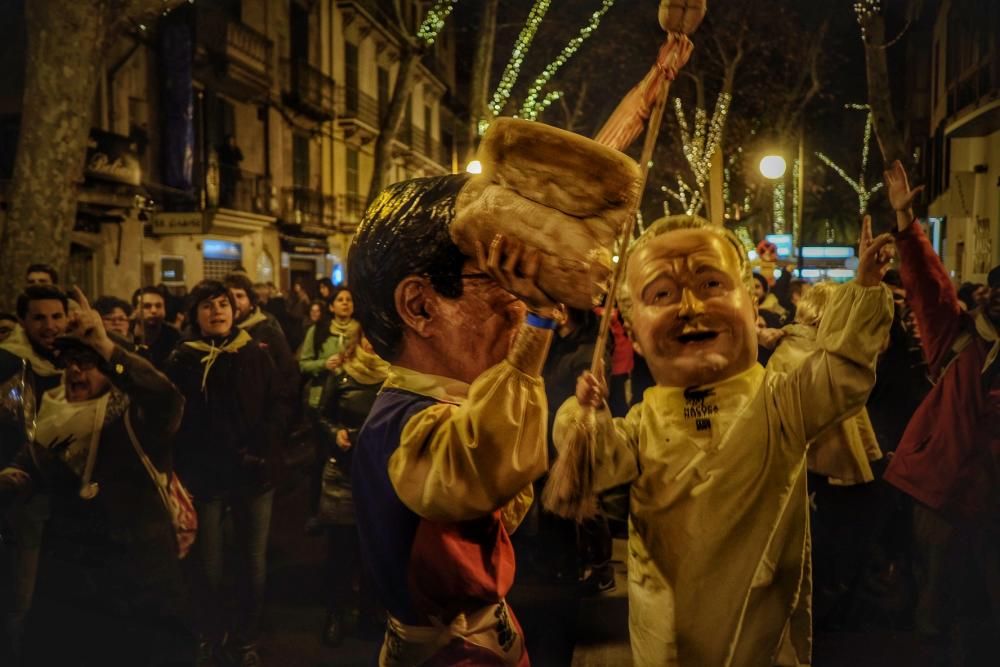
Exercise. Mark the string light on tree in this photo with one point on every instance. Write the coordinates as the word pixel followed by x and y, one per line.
pixel 532 107
pixel 433 23
pixel 859 186
pixel 700 145
pixel 779 208
pixel 513 68
pixel 865 11
pixel 690 199
pixel 796 166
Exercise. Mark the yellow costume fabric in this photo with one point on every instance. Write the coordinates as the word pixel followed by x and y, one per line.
pixel 19 345
pixel 719 552
pixel 842 453
pixel 482 445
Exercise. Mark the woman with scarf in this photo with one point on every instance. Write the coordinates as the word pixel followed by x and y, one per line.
pixel 227 455
pixel 327 343
pixel 346 401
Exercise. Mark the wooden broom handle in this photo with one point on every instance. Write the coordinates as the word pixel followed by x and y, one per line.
pixel 649 143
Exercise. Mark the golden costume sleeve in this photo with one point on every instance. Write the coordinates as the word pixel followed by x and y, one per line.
pixel 460 462
pixel 615 455
pixel 835 380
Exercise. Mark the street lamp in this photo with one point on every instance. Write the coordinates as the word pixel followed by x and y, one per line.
pixel 474 167
pixel 772 166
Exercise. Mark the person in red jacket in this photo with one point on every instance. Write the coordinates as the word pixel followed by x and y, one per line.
pixel 947 458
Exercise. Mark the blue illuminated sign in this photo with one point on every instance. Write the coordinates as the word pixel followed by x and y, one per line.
pixel 212 249
pixel 827 252
pixel 783 242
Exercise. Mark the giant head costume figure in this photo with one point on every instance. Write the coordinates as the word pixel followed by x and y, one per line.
pixel 688 297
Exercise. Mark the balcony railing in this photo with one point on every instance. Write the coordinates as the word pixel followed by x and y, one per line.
pixel 354 105
pixel 245 191
pixel 308 208
pixel 308 89
pixel 973 85
pixel 352 208
pixel 421 142
pixel 239 57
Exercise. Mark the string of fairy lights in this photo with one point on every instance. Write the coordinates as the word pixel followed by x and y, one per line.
pixel 532 106
pixel 865 11
pixel 700 145
pixel 861 189
pixel 433 23
pixel 513 68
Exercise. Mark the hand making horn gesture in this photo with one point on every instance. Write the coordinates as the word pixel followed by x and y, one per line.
pixel 875 255
pixel 86 325
pixel 897 187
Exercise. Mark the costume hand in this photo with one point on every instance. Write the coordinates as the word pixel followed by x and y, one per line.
pixel 876 254
pixel 515 268
pixel 591 390
pixel 333 362
pixel 897 187
pixel 343 440
pixel 770 338
pixel 86 324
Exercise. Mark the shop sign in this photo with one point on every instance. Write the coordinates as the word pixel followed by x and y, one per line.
pixel 213 249
pixel 112 157
pixel 188 222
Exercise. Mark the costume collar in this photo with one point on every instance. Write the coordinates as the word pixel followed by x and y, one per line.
pixel 440 388
pixel 20 345
pixel 254 318
pixel 988 330
pixel 705 413
pixel 212 351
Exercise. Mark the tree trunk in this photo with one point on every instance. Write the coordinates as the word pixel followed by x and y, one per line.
pixel 390 124
pixel 64 48
pixel 479 88
pixel 890 140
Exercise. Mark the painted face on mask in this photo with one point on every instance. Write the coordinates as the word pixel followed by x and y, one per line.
pixel 693 318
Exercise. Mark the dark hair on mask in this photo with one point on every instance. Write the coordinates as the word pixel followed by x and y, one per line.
pixel 40 293
pixel 206 289
pixel 43 268
pixel 241 281
pixel 8 316
pixel 105 304
pixel 404 233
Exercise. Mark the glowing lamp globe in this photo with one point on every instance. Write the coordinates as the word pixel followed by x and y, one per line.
pixel 772 166
pixel 474 167
pixel 682 15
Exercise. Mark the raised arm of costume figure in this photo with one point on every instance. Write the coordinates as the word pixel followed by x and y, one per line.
pixel 462 462
pixel 836 380
pixel 929 290
pixel 616 443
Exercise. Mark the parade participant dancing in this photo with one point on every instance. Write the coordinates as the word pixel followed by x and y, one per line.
pixel 443 466
pixel 719 567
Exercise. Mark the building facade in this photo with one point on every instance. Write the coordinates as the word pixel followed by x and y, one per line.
pixel 960 155
pixel 239 133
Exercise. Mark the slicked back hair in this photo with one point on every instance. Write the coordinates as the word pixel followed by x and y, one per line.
pixel 403 233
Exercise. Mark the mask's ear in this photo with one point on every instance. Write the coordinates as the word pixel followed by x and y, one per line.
pixel 413 297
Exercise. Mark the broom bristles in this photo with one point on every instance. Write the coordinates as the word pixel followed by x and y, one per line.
pixel 569 491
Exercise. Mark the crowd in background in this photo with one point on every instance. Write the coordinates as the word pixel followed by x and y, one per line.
pixel 216 386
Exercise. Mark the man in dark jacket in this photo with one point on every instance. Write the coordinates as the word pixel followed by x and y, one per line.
pixel 109 538
pixel 266 330
pixel 158 338
pixel 948 457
